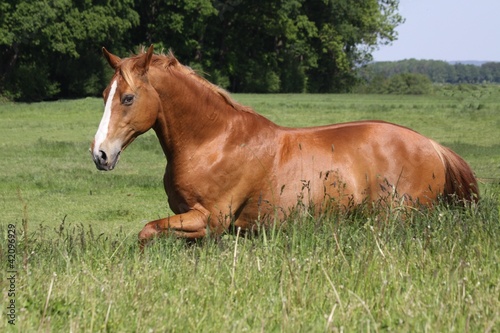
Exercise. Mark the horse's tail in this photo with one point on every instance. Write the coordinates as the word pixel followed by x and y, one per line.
pixel 460 181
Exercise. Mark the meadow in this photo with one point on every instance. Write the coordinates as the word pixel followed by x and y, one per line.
pixel 77 266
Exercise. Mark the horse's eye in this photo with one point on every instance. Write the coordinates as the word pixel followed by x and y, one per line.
pixel 127 99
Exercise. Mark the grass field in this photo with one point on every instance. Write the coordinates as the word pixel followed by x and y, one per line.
pixel 78 269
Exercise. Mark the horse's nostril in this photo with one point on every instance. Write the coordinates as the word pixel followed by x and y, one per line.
pixel 103 156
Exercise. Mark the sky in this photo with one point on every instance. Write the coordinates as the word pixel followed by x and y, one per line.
pixel 450 30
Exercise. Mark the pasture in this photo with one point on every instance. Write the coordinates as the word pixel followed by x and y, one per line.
pixel 78 267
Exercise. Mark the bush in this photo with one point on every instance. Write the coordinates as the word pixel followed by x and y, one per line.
pixel 399 84
pixel 409 84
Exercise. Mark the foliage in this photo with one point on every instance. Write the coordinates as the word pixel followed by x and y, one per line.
pixel 437 71
pixel 399 84
pixel 51 48
pixel 246 46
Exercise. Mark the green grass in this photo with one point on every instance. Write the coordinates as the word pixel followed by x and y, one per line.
pixel 79 268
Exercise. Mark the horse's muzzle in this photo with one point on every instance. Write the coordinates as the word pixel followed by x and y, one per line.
pixel 104 161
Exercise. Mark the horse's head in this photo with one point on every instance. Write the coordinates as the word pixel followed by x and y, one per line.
pixel 131 108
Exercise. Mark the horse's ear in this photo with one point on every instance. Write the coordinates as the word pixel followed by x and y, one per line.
pixel 146 60
pixel 113 60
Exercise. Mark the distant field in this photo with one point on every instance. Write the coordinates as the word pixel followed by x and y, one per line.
pixel 79 270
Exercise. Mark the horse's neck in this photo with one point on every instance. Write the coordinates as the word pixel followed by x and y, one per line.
pixel 192 115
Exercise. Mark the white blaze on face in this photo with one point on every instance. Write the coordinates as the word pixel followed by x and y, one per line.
pixel 102 131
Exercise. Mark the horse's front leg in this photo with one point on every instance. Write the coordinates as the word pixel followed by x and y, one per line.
pixel 189 225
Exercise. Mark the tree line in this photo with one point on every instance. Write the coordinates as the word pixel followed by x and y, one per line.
pixel 51 48
pixel 437 71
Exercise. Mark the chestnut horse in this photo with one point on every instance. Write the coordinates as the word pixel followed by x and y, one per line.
pixel 228 165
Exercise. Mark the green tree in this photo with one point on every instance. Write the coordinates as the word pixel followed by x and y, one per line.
pixel 52 48
pixel 272 45
pixel 467 73
pixel 264 46
pixel 491 72
pixel 180 25
pixel 348 32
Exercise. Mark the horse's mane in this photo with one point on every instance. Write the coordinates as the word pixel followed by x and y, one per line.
pixel 169 62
